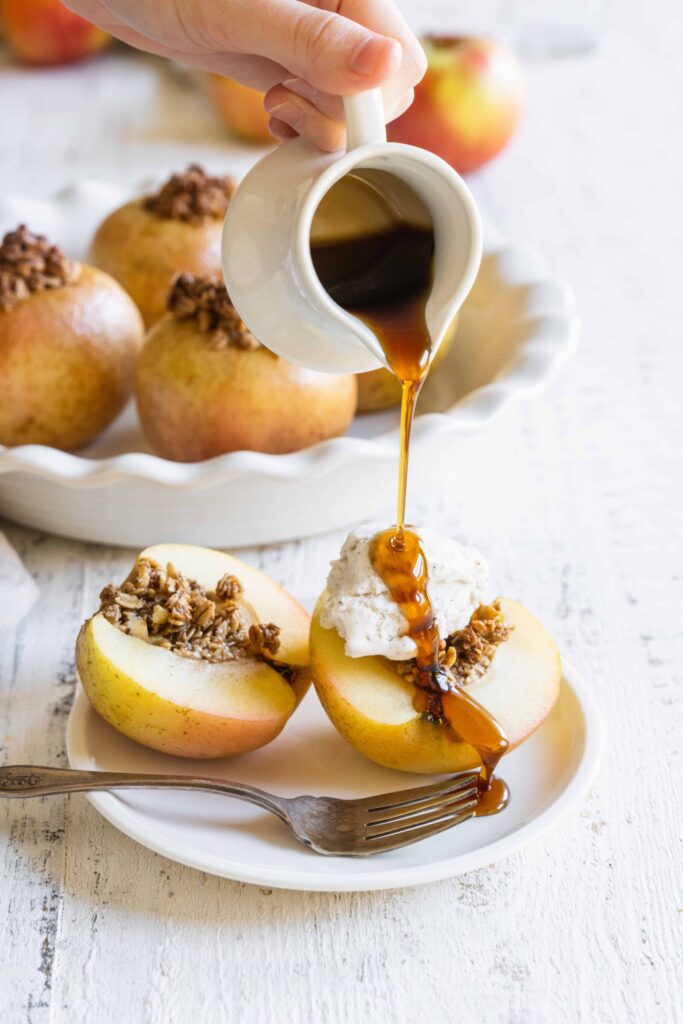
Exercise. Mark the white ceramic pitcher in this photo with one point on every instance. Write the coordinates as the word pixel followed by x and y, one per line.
pixel 266 243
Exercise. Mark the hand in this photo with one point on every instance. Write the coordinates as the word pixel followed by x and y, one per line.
pixel 304 54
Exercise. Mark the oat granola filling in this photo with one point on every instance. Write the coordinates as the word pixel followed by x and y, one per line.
pixel 193 196
pixel 205 300
pixel 30 264
pixel 466 654
pixel 172 611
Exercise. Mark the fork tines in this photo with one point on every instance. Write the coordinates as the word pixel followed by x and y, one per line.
pixel 423 811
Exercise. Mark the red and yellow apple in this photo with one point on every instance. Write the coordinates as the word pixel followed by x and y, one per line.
pixel 241 108
pixel 372 706
pixel 467 106
pixel 197 708
pixel 45 32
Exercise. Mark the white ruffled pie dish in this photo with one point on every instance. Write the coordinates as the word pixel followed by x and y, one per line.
pixel 517 327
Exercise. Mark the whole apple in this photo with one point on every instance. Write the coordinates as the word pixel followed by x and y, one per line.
pixel 241 108
pixel 45 32
pixel 468 104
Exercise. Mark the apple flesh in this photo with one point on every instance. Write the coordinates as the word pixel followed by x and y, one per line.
pixel 241 108
pixel 196 402
pixel 468 104
pixel 372 706
pixel 44 32
pixel 67 361
pixel 197 708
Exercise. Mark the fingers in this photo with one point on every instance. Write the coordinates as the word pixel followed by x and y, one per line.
pixel 339 46
pixel 307 53
pixel 318 116
pixel 280 131
pixel 330 51
pixel 333 106
pixel 305 119
pixel 316 110
pixel 384 17
pixel 257 72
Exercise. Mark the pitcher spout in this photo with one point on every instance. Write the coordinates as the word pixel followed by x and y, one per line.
pixel 287 259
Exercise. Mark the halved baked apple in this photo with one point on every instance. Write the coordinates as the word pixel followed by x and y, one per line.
pixel 197 654
pixel 373 705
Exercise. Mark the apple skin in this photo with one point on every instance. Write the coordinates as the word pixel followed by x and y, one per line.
pixel 195 402
pixel 45 32
pixel 241 108
pixel 67 362
pixel 372 706
pixel 468 104
pixel 165 722
pixel 192 708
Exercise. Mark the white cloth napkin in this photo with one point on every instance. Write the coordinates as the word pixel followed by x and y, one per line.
pixel 18 591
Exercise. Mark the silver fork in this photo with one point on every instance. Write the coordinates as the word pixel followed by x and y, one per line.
pixel 355 828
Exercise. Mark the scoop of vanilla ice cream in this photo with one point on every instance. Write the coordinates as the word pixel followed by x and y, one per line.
pixel 361 609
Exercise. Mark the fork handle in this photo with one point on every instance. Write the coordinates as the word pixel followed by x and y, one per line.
pixel 22 780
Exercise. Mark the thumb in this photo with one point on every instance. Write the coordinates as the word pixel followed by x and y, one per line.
pixel 331 52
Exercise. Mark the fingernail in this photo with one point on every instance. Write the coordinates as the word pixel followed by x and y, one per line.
pixel 302 88
pixel 288 112
pixel 280 130
pixel 371 54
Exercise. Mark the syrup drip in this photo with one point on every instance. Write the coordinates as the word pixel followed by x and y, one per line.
pixel 401 329
pixel 397 557
pixel 399 560
pixel 385 280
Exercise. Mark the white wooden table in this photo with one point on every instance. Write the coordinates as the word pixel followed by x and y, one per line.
pixel 580 512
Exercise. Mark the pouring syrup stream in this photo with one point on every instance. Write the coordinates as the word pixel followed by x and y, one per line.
pixel 385 280
pixel 398 558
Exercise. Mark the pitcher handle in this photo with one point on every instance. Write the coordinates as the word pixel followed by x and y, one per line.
pixel 365 123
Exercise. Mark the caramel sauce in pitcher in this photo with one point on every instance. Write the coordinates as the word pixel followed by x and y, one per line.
pixel 384 277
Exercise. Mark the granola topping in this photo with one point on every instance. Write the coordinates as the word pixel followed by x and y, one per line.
pixel 30 264
pixel 466 654
pixel 205 300
pixel 193 196
pixel 172 611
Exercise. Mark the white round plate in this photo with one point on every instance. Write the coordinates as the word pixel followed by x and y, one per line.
pixel 547 776
pixel 516 329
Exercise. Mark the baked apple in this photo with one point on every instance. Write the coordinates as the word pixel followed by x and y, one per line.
pixel 145 243
pixel 512 669
pixel 69 340
pixel 206 386
pixel 196 654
